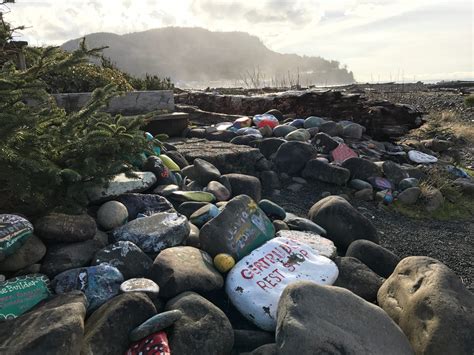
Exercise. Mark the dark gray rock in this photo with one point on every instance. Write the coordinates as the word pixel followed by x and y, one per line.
pixel 248 340
pixel 361 168
pixel 128 258
pixel 394 172
pixel 431 305
pixel 181 269
pixel 203 329
pixel 65 256
pixel 333 174
pixel 331 128
pixel 358 278
pixel 303 224
pixel 272 210
pixel 55 327
pixel 283 130
pixel 218 190
pixel 145 204
pixel 247 139
pixel 162 173
pixel 360 184
pixel 107 329
pixel 154 233
pixel 364 195
pixel 245 185
pixel 315 319
pixel 291 157
pixel 342 222
pixel 269 146
pixel 324 143
pixel 409 196
pixel 178 158
pixel 205 171
pixel 276 113
pixel 58 227
pixel 155 324
pixel 29 253
pixel 188 208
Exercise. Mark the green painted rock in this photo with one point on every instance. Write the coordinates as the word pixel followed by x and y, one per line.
pixel 14 231
pixel 204 215
pixel 20 294
pixel 197 196
pixel 240 228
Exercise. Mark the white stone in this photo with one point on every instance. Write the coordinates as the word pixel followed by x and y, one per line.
pixel 320 245
pixel 420 157
pixel 112 214
pixel 122 184
pixel 256 282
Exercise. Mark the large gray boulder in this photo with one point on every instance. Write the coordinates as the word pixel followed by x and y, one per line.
pixel 431 305
pixel 291 157
pixel 180 269
pixel 64 228
pixel 361 168
pixel 342 222
pixel 332 174
pixel 56 327
pixel 203 328
pixel 107 329
pixel 314 319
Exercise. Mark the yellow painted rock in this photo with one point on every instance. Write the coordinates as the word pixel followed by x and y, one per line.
pixel 224 262
pixel 169 163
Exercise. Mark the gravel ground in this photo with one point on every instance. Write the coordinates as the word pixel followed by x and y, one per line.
pixel 450 242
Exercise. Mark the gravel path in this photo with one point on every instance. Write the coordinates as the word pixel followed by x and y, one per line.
pixel 450 242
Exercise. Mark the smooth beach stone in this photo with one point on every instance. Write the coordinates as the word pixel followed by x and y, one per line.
pixel 298 123
pixel 122 184
pixel 155 233
pixel 14 232
pixel 32 251
pixel 359 184
pixel 188 208
pixel 140 285
pixel 313 121
pixel 59 228
pixel 205 171
pixel 156 343
pixel 301 135
pixel 218 190
pixel 112 214
pixel 283 130
pixel 272 210
pixel 204 214
pixel 165 190
pixel 320 245
pixel 240 228
pixel 99 283
pixel 407 183
pixel 155 324
pixel 197 196
pixel 303 224
pixel 255 283
pixel 420 157
pixel 20 294
pixel 144 204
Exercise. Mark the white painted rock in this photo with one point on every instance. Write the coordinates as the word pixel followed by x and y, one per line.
pixel 320 245
pixel 121 184
pixel 256 282
pixel 420 157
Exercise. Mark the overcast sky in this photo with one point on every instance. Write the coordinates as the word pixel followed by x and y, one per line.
pixel 379 40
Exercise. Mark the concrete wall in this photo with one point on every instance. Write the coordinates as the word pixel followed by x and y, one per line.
pixel 132 103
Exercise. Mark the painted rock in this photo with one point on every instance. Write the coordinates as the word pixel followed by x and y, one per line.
pixel 256 283
pixel 240 228
pixel 155 233
pixel 99 283
pixel 420 157
pixel 380 183
pixel 121 184
pixel 204 214
pixel 155 324
pixel 197 196
pixel 154 344
pixel 20 294
pixel 169 163
pixel 140 285
pixel 14 231
pixel 342 153
pixel 224 262
pixel 320 245
pixel 242 122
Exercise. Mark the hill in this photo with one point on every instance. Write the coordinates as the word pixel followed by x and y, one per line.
pixel 196 54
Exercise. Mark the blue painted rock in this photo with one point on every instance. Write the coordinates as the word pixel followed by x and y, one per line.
pixel 20 294
pixel 14 231
pixel 255 283
pixel 154 233
pixel 240 228
pixel 140 285
pixel 99 283
pixel 298 123
pixel 154 344
pixel 155 324
pixel 204 215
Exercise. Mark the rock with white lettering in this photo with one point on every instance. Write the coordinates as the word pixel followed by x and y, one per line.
pixel 240 228
pixel 20 294
pixel 255 283
pixel 99 283
pixel 320 245
pixel 14 232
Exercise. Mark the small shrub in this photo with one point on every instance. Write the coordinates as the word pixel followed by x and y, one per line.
pixel 469 101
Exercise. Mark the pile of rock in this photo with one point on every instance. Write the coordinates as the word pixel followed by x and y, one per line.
pixel 153 265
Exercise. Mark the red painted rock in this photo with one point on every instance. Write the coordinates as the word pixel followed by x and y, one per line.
pixel 154 344
pixel 342 152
